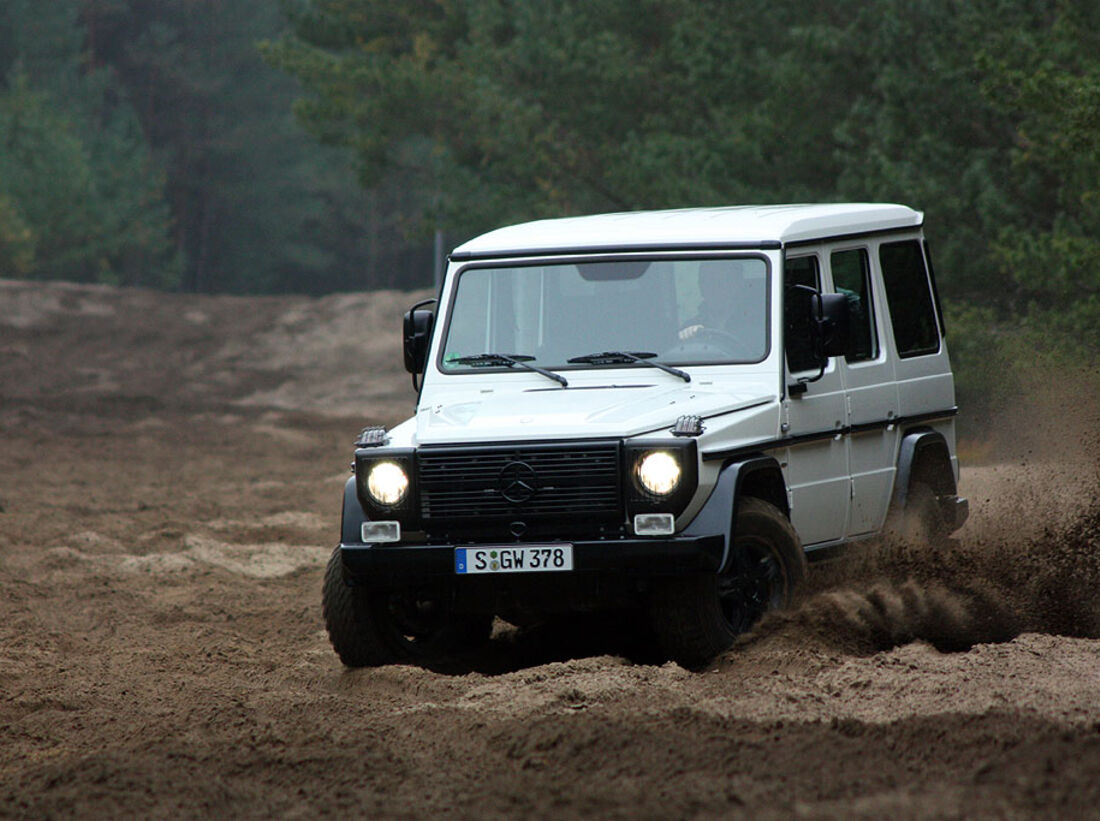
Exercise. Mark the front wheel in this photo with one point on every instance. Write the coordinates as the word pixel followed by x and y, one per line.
pixel 370 628
pixel 697 617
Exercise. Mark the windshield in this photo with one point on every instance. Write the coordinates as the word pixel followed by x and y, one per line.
pixel 675 311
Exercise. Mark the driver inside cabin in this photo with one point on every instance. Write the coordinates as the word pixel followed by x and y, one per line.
pixel 731 295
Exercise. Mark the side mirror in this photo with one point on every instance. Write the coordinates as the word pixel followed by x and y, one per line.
pixel 417 337
pixel 834 324
pixel 829 332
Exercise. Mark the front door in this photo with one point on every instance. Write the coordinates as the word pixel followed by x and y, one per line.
pixel 817 457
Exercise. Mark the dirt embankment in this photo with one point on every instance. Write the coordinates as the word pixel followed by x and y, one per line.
pixel 170 475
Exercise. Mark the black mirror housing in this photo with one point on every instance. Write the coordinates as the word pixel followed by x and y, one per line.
pixel 418 325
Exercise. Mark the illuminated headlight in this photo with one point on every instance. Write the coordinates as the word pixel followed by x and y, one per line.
pixel 387 483
pixel 659 472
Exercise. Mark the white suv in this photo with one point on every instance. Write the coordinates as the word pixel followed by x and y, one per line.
pixel 668 410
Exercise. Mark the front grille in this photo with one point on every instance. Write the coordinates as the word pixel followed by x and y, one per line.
pixel 528 483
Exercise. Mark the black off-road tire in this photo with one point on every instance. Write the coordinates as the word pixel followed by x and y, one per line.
pixel 697 617
pixel 355 639
pixel 370 628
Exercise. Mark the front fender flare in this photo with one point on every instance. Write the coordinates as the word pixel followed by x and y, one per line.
pixel 719 513
pixel 353 516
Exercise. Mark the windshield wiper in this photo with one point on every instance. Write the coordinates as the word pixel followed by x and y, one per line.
pixel 622 357
pixel 511 361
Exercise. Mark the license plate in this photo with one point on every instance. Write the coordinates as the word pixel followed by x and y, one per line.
pixel 536 558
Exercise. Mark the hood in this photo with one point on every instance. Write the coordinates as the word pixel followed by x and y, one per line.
pixel 588 412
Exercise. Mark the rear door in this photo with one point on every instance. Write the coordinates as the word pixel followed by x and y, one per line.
pixel 871 395
pixel 926 388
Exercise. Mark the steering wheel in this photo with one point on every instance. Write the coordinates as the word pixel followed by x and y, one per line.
pixel 720 338
pixel 726 343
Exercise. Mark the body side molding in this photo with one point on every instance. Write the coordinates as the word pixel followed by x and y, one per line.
pixel 803 438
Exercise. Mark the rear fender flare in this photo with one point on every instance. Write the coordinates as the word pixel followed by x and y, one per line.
pixel 929 448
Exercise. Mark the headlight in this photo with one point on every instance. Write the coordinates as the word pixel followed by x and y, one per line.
pixel 659 472
pixel 387 483
pixel 662 475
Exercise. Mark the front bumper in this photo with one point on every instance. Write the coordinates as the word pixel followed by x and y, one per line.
pixel 400 565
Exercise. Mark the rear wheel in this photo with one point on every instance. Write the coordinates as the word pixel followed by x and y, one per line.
pixel 369 627
pixel 921 521
pixel 697 617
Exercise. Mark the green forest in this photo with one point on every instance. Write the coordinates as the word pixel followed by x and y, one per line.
pixel 318 145
pixel 149 143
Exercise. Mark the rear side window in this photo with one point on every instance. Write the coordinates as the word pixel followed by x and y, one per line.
pixel 909 293
pixel 852 277
pixel 797 306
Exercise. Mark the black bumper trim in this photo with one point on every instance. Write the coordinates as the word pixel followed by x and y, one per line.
pixel 956 510
pixel 392 565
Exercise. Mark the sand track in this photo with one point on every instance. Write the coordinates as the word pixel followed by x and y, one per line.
pixel 170 477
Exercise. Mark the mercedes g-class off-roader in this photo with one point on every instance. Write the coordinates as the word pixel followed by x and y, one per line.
pixel 664 411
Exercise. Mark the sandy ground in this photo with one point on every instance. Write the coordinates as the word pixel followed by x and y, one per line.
pixel 170 478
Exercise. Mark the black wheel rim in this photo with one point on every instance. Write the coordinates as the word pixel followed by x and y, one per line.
pixel 760 586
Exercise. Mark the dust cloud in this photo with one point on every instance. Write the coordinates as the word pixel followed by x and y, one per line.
pixel 1027 561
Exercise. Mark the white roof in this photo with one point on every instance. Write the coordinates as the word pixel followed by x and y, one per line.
pixel 746 225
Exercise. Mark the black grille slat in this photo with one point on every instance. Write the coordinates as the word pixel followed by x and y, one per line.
pixel 457 504
pixel 577 494
pixel 460 485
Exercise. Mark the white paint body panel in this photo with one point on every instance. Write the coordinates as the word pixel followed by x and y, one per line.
pixel 527 406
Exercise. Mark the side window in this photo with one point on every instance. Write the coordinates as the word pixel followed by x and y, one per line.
pixel 797 310
pixel 935 290
pixel 852 277
pixel 909 295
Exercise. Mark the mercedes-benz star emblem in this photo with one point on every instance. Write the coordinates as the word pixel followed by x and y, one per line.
pixel 517 482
